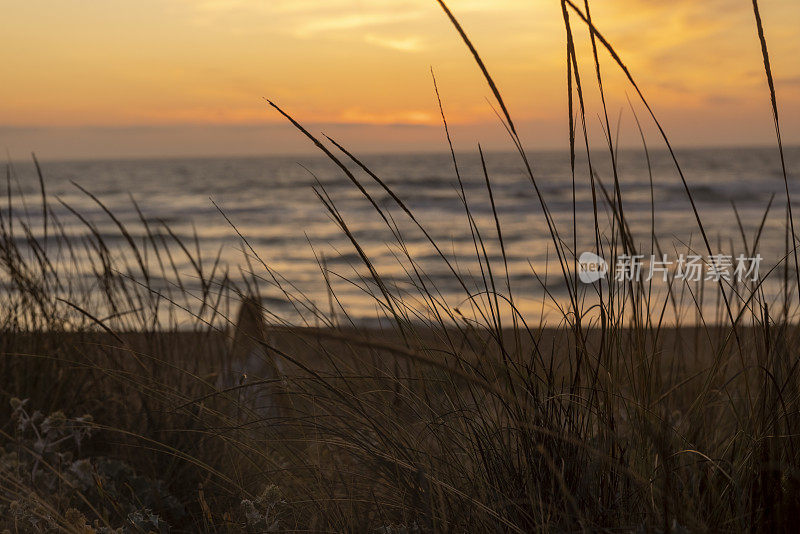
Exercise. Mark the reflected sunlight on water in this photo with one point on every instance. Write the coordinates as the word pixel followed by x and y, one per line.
pixel 272 203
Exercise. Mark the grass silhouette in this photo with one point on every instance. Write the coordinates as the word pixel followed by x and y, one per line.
pixel 135 400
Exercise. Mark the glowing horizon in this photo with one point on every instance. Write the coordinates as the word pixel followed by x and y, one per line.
pixel 209 63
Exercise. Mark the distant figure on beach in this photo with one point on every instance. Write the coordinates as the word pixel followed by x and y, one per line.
pixel 250 367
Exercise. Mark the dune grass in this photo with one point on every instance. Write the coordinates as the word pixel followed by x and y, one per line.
pixel 122 410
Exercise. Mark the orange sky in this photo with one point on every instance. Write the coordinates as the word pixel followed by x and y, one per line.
pixel 184 77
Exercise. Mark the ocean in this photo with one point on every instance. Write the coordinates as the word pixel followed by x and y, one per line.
pixel 276 227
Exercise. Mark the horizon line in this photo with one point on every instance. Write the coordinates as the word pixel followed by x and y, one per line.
pixel 316 153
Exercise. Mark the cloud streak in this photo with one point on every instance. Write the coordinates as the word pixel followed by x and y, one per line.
pixel 411 43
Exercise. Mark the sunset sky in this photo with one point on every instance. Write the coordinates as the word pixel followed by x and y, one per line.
pixel 189 77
